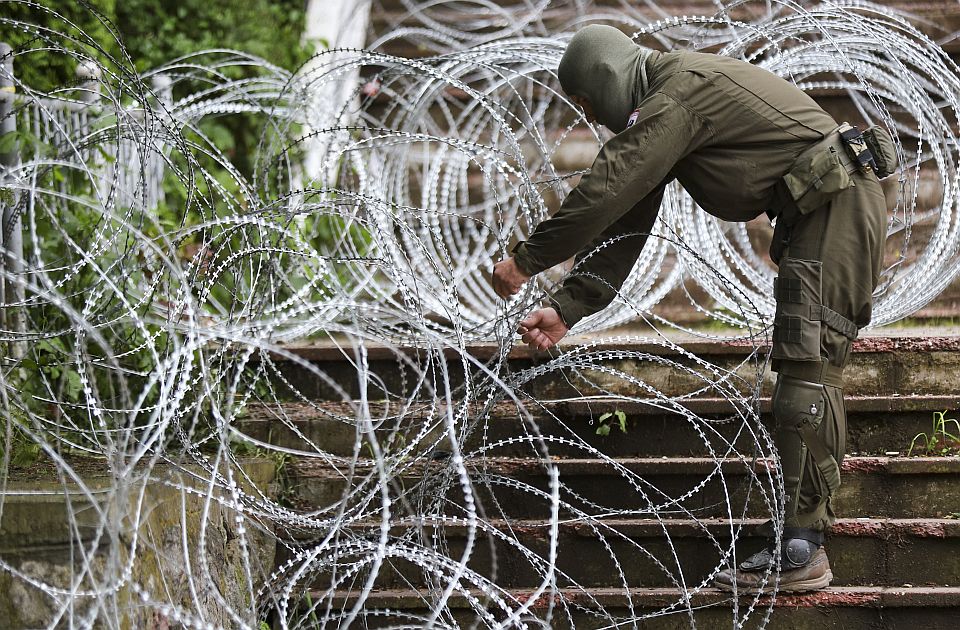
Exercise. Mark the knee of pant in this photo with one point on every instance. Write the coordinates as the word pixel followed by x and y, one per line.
pixel 796 400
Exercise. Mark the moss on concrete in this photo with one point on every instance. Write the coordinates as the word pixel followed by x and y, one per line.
pixel 153 516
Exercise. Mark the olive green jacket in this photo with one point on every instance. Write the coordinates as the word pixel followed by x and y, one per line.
pixel 725 129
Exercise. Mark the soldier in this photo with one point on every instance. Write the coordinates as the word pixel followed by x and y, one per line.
pixel 741 141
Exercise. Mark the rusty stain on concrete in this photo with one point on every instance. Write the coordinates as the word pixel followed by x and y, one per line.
pixel 907 344
pixel 864 464
pixel 543 601
pixel 830 599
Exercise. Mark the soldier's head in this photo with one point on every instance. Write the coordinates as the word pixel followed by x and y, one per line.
pixel 602 71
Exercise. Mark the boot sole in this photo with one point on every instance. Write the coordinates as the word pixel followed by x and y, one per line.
pixel 803 586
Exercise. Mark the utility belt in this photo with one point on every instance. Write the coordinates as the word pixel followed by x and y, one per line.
pixel 824 170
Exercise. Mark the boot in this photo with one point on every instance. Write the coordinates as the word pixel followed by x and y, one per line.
pixel 803 567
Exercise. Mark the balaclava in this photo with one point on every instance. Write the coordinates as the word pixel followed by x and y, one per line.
pixel 606 67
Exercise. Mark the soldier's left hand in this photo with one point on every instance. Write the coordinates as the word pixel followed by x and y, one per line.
pixel 508 278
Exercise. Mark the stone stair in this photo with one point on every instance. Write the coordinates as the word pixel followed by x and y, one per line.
pixel 895 551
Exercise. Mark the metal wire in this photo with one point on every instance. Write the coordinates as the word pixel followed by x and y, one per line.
pixel 163 288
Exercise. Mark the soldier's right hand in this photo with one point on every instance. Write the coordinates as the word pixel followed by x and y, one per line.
pixel 542 329
pixel 508 277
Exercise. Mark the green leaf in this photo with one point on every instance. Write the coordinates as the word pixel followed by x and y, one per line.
pixel 53 345
pixel 622 419
pixel 109 159
pixel 606 416
pixel 105 121
pixel 603 429
pixel 8 142
pixel 74 385
pixel 25 454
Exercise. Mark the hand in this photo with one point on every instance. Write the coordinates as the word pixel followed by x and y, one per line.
pixel 508 278
pixel 542 329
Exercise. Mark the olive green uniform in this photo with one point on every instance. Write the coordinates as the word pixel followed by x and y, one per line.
pixel 728 132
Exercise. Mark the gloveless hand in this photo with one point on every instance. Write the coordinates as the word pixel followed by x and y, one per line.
pixel 508 278
pixel 542 329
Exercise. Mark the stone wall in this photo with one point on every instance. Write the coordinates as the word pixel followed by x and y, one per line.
pixel 146 571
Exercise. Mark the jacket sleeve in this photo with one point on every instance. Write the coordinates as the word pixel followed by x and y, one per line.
pixel 603 266
pixel 630 165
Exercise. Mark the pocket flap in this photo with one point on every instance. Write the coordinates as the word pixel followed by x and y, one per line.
pixel 884 151
pixel 816 179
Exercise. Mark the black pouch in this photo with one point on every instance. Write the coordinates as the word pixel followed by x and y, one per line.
pixel 796 335
pixel 780 240
pixel 884 152
pixel 816 179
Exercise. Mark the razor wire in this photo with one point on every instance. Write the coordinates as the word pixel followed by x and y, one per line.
pixel 161 289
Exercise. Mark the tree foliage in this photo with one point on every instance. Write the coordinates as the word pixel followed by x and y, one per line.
pixel 153 32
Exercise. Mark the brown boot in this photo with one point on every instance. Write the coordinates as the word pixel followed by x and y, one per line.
pixel 756 574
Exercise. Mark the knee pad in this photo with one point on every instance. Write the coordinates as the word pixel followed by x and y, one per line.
pixel 795 401
pixel 799 408
pixel 797 552
pixel 798 546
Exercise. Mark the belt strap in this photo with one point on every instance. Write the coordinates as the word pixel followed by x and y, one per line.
pixel 821 454
pixel 834 320
pixel 825 462
pixel 805 533
pixel 812 371
pixel 834 140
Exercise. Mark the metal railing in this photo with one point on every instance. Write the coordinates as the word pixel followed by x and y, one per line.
pixel 12 293
pixel 43 118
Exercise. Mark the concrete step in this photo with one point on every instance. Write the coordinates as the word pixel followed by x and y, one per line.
pixel 895 528
pixel 878 366
pixel 660 553
pixel 74 527
pixel 876 425
pixel 849 608
pixel 518 488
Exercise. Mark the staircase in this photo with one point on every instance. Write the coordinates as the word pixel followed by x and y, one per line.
pixel 895 551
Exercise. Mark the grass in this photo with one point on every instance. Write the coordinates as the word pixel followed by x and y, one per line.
pixel 941 440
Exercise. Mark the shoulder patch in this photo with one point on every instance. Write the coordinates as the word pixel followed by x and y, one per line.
pixel 633 117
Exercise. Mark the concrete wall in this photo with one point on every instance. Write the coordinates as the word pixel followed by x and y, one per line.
pixel 154 548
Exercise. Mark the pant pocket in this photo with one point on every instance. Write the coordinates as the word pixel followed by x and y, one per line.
pixel 796 336
pixel 817 178
pixel 830 473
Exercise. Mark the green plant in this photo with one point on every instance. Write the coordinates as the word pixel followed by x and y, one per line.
pixel 23 451
pixel 284 482
pixel 312 612
pixel 939 441
pixel 153 32
pixel 605 422
pixel 396 442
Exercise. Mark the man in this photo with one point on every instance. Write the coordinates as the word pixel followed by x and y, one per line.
pixel 741 141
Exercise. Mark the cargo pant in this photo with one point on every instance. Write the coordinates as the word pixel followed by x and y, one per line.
pixel 829 266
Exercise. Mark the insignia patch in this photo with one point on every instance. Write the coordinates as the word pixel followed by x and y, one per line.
pixel 633 117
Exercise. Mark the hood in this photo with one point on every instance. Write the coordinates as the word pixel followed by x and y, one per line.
pixel 606 67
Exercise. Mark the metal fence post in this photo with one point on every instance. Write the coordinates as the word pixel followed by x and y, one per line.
pixel 163 88
pixel 13 292
pixel 88 75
